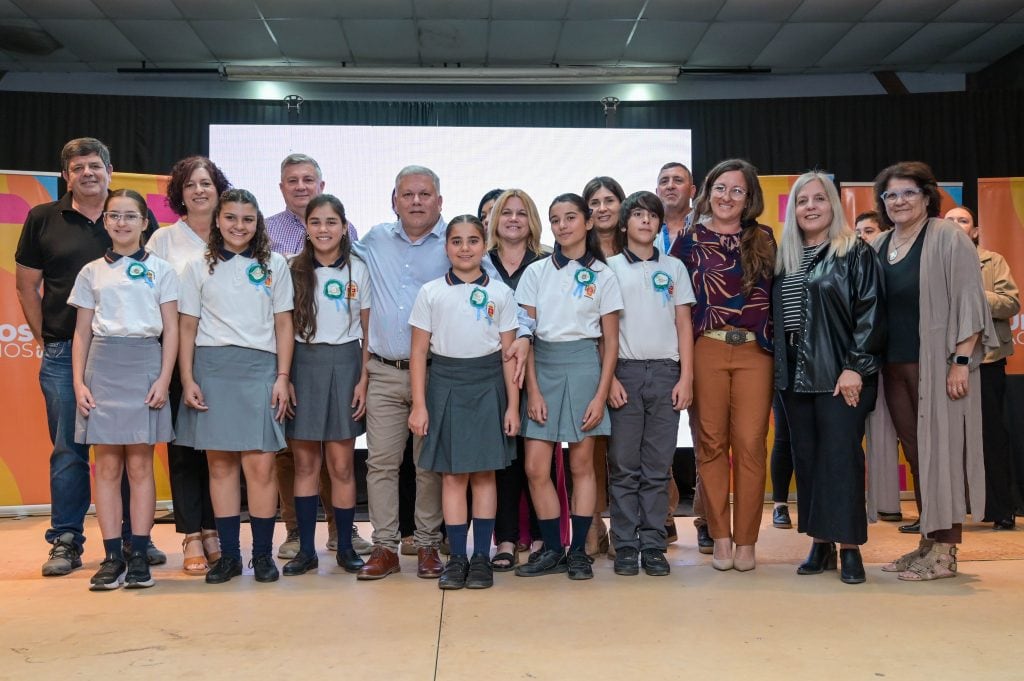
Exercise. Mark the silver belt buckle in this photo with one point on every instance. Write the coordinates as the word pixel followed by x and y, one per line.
pixel 735 337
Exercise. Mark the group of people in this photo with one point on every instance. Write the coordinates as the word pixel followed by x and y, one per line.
pixel 264 347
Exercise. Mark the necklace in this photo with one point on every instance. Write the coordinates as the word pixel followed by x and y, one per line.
pixel 894 253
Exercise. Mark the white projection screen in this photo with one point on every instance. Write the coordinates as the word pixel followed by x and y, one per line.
pixel 359 164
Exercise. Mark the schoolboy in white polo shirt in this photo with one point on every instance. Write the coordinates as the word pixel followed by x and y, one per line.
pixel 653 382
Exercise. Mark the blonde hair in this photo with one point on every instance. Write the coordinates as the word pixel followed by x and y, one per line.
pixel 533 218
pixel 841 238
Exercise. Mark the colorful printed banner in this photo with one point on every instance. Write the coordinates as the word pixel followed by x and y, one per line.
pixel 859 197
pixel 24 440
pixel 1001 223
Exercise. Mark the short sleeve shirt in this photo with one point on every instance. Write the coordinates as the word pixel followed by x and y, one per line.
pixel 464 319
pixel 342 291
pixel 287 232
pixel 177 244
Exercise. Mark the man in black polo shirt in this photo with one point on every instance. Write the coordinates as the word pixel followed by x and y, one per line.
pixel 58 239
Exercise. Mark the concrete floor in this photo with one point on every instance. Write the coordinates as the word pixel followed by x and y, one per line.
pixel 767 624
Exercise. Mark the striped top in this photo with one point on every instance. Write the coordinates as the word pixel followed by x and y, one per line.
pixel 794 293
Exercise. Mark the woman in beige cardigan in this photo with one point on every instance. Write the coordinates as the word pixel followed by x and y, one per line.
pixel 939 329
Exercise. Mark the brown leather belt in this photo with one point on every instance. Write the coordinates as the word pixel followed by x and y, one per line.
pixel 731 336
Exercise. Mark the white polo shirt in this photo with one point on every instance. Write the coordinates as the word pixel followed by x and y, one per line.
pixel 653 288
pixel 465 319
pixel 177 244
pixel 237 303
pixel 339 299
pixel 125 293
pixel 570 296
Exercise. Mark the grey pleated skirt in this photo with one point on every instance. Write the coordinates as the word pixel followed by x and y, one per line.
pixel 236 384
pixel 119 373
pixel 568 374
pixel 325 377
pixel 466 402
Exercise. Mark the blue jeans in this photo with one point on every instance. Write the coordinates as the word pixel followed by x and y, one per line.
pixel 69 462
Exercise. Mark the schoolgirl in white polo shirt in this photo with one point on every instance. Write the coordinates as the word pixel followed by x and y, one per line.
pixel 468 412
pixel 235 357
pixel 125 300
pixel 575 299
pixel 653 382
pixel 332 313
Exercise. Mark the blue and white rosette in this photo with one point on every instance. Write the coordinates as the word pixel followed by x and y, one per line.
pixel 478 300
pixel 137 271
pixel 259 277
pixel 584 277
pixel 334 290
pixel 662 283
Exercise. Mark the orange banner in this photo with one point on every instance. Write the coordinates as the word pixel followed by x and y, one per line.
pixel 1001 226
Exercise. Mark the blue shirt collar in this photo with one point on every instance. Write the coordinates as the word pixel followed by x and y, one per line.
pixel 337 264
pixel 453 280
pixel 587 260
pixel 437 231
pixel 632 257
pixel 112 257
pixel 226 255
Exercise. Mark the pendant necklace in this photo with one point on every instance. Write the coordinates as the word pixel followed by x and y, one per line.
pixel 894 253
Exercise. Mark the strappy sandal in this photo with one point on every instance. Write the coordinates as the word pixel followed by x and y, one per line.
pixel 936 564
pixel 193 565
pixel 211 546
pixel 903 563
pixel 505 561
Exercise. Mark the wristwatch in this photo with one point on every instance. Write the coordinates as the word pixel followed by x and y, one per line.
pixel 961 360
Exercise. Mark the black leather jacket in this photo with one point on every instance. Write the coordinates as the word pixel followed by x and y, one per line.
pixel 843 323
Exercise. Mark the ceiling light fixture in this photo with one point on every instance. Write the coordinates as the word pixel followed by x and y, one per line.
pixel 547 75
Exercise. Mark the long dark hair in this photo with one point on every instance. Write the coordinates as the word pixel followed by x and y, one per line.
pixel 304 271
pixel 593 243
pixel 260 243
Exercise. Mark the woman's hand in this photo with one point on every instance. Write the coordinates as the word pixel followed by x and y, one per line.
pixel 536 407
pixel 849 386
pixel 418 421
pixel 616 394
pixel 193 396
pixel 957 381
pixel 156 398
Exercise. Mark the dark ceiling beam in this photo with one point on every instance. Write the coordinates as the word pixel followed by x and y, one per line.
pixel 891 82
pixel 1005 74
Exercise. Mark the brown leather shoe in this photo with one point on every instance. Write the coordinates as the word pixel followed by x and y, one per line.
pixel 382 563
pixel 429 563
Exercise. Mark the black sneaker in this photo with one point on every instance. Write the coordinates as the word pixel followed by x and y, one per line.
pixel 705 544
pixel 654 562
pixel 481 574
pixel 454 574
pixel 224 569
pixel 579 565
pixel 780 517
pixel 138 576
pixel 626 561
pixel 109 576
pixel 64 557
pixel 264 569
pixel 543 562
pixel 301 564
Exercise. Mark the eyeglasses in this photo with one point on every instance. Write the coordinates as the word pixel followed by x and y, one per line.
pixel 129 218
pixel 905 194
pixel 735 192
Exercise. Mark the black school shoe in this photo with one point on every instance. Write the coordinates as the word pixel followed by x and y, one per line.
pixel 264 569
pixel 911 528
pixel 543 562
pixel 109 576
pixel 224 569
pixel 579 564
pixel 705 544
pixel 654 562
pixel 454 574
pixel 301 564
pixel 349 560
pixel 626 561
pixel 138 576
pixel 481 575
pixel 780 517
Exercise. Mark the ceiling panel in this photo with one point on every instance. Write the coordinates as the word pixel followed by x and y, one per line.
pixel 933 42
pixel 8 10
pixel 92 39
pixel 165 40
pixel 592 41
pixel 800 46
pixel 303 39
pixel 674 10
pixel 444 40
pixel 980 10
pixel 605 9
pixel 993 45
pixel 383 41
pixel 907 10
pixel 59 9
pixel 65 66
pixel 830 10
pixel 530 9
pixel 757 10
pixel 300 9
pixel 732 44
pixel 523 42
pixel 371 9
pixel 221 9
pixel 451 9
pixel 866 44
pixel 229 40
pixel 665 42
pixel 134 9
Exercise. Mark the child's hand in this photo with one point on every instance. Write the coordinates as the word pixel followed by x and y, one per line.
pixel 83 398
pixel 536 408
pixel 518 352
pixel 418 419
pixel 512 422
pixel 193 396
pixel 682 394
pixel 156 398
pixel 593 415
pixel 617 394
pixel 359 398
pixel 293 401
pixel 279 398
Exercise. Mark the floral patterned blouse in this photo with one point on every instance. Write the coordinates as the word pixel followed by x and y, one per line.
pixel 713 261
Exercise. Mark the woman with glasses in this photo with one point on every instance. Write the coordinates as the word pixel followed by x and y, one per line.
pixel 731 260
pixel 939 328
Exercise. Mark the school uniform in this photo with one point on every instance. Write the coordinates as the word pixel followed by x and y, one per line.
pixel 235 361
pixel 125 294
pixel 326 369
pixel 570 297
pixel 644 430
pixel 466 396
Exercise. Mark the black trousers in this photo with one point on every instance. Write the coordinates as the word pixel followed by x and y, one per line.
pixel 190 477
pixel 511 483
pixel 999 503
pixel 782 454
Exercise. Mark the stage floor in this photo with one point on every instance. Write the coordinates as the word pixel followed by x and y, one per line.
pixel 766 624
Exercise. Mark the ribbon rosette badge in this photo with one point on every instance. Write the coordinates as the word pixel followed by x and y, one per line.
pixel 333 290
pixel 663 284
pixel 259 277
pixel 586 282
pixel 478 299
pixel 138 271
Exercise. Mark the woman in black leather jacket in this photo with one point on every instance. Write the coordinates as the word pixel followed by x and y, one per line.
pixel 827 304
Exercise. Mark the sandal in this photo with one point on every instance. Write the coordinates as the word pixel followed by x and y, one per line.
pixel 193 565
pixel 903 563
pixel 505 561
pixel 211 546
pixel 938 563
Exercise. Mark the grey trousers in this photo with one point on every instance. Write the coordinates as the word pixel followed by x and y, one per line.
pixel 640 453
